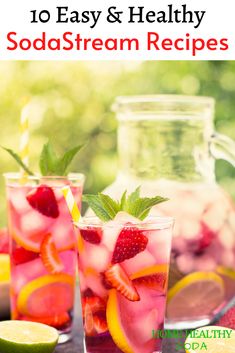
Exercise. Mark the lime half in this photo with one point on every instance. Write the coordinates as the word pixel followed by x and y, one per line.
pixel 27 337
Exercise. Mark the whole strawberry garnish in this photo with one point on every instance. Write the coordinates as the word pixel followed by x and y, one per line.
pixel 131 241
pixel 50 256
pixel 117 278
pixel 228 320
pixel 92 235
pixel 43 200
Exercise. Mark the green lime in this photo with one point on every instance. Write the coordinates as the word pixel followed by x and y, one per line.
pixel 27 337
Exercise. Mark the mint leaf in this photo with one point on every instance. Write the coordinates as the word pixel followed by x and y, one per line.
pixel 123 200
pixel 18 160
pixel 111 206
pixel 50 164
pixel 106 208
pixel 97 207
pixel 142 206
pixel 48 160
pixel 66 159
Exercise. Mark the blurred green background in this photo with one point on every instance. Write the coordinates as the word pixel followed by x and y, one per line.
pixel 70 103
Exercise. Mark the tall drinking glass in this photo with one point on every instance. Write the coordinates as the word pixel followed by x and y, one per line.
pixel 42 249
pixel 123 270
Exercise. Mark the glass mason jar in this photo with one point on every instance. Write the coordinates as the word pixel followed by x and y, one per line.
pixel 167 144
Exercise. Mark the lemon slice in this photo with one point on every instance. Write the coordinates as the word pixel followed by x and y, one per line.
pixel 149 271
pixel 198 293
pixel 48 295
pixel 27 337
pixel 131 323
pixel 229 272
pixel 211 339
pixel 4 268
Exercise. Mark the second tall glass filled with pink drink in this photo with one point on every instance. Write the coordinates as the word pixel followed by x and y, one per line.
pixel 42 249
pixel 123 269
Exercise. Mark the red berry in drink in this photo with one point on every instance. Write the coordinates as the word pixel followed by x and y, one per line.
pixel 43 200
pixel 131 241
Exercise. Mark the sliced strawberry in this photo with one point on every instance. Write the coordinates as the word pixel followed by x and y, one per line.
pixel 117 278
pixel 206 239
pixel 43 200
pixel 100 323
pixel 95 303
pixel 50 256
pixel 21 255
pixel 228 320
pixel 55 321
pixel 4 241
pixel 156 281
pixel 88 321
pixel 131 241
pixel 92 235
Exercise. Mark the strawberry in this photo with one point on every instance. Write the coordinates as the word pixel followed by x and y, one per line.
pixel 50 256
pixel 100 323
pixel 43 200
pixel 118 278
pixel 130 242
pixel 156 281
pixel 206 238
pixel 95 303
pixel 92 235
pixel 4 241
pixel 88 321
pixel 21 255
pixel 228 320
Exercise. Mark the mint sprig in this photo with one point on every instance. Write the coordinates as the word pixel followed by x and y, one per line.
pixel 106 208
pixel 49 163
pixel 18 160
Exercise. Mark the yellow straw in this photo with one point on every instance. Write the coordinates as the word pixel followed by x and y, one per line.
pixel 24 137
pixel 72 206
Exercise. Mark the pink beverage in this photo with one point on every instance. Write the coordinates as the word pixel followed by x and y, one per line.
pixel 203 252
pixel 123 269
pixel 42 249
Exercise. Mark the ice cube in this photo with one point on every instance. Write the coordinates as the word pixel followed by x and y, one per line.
pixel 228 258
pixel 226 237
pixel 33 222
pixel 24 273
pixel 111 231
pixel 124 217
pixel 204 263
pixel 190 228
pixel 179 244
pixel 159 245
pixel 94 282
pixel 69 260
pixel 144 325
pixel 18 199
pixel 215 216
pixel 96 257
pixel 140 261
pixel 185 263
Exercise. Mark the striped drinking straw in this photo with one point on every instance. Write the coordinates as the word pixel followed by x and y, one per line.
pixel 71 203
pixel 75 213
